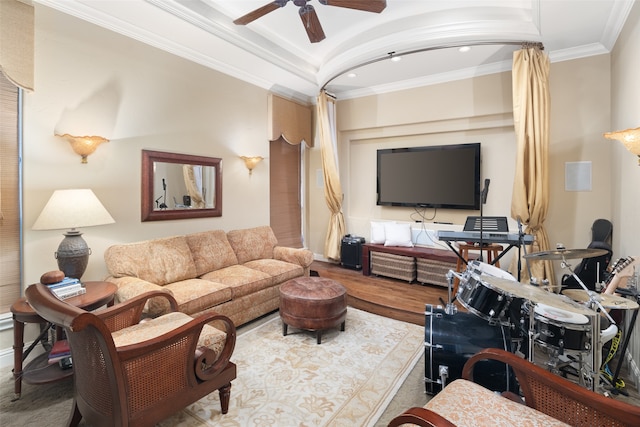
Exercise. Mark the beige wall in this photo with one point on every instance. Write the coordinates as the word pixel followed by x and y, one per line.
pixel 480 110
pixel 625 171
pixel 92 81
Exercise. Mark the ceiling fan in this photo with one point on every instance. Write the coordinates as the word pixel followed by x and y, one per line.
pixel 308 13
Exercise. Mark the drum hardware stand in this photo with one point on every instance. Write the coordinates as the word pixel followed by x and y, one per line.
pixel 634 317
pixel 483 200
pixel 596 344
pixel 522 247
pixel 450 308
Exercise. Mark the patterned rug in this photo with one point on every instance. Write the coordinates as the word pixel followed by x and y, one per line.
pixel 348 380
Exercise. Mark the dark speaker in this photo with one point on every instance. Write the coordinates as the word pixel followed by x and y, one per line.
pixel 351 252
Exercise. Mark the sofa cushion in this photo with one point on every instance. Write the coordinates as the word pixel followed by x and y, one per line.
pixel 211 251
pixel 195 295
pixel 130 287
pixel 252 243
pixel 158 261
pixel 279 271
pixel 241 280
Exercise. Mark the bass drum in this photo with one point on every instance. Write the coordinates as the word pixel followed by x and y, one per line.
pixel 451 339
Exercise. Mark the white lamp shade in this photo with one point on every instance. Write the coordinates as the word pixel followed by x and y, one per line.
pixel 72 209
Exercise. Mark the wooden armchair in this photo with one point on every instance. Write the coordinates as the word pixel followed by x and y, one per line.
pixel 543 391
pixel 134 372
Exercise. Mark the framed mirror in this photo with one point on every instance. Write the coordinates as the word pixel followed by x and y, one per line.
pixel 180 186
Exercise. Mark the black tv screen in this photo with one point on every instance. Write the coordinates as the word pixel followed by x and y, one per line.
pixel 442 176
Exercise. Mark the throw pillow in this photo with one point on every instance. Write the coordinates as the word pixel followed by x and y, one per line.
pixel 398 235
pixel 377 232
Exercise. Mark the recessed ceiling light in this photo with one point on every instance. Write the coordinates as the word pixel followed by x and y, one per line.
pixel 352 75
pixel 464 49
pixel 396 58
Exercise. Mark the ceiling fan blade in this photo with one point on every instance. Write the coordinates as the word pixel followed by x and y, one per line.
pixel 311 24
pixel 376 6
pixel 258 13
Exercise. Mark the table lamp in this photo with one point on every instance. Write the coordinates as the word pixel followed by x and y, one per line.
pixel 71 209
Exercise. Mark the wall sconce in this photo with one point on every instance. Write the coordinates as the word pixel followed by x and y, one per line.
pixel 630 138
pixel 84 145
pixel 251 162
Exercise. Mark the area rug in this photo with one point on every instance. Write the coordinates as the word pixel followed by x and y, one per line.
pixel 348 380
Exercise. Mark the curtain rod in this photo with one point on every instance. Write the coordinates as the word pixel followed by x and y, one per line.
pixel 524 44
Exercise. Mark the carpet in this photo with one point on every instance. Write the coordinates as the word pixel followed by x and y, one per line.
pixel 348 380
pixel 290 380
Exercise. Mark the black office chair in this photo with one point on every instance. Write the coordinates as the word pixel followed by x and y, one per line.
pixel 593 270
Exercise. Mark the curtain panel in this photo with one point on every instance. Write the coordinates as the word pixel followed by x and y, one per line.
pixel 332 188
pixel 531 111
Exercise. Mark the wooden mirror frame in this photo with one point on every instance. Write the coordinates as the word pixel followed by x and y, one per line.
pixel 149 158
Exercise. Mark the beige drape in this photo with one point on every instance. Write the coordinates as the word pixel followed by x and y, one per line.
pixel 531 110
pixel 16 42
pixel 332 188
pixel 193 182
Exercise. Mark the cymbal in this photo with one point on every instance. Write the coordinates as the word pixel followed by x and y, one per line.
pixel 607 301
pixel 535 294
pixel 566 254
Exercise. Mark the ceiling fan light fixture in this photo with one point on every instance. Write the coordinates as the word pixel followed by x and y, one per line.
pixel 308 14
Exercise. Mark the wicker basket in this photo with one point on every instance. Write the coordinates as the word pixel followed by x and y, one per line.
pixel 396 266
pixel 434 272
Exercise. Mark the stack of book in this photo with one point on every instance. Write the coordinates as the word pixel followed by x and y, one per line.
pixel 59 351
pixel 67 288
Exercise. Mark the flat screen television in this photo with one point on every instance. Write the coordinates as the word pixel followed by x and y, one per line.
pixel 442 176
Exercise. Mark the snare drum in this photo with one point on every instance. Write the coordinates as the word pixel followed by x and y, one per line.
pixel 560 329
pixel 482 298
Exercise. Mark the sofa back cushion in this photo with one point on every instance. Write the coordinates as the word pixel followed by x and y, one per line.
pixel 211 251
pixel 252 243
pixel 158 261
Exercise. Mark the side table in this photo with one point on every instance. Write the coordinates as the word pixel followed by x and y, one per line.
pixel 38 371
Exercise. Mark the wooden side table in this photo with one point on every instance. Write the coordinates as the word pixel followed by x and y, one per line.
pixel 38 371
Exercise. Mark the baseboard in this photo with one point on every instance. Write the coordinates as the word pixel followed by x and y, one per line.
pixel 6 356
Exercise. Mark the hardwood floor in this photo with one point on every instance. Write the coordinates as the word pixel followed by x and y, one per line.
pixel 384 296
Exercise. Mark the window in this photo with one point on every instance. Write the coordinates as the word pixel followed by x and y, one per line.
pixel 10 277
pixel 285 178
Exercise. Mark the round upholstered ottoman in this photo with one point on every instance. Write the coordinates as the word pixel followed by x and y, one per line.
pixel 313 303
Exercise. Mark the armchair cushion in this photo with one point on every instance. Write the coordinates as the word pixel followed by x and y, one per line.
pixel 210 337
pixel 467 404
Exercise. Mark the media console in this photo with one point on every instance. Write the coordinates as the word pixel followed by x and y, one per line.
pixel 427 265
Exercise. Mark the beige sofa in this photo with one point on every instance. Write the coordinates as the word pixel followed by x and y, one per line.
pixel 236 274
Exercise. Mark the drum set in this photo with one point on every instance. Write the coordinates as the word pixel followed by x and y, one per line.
pixel 568 330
